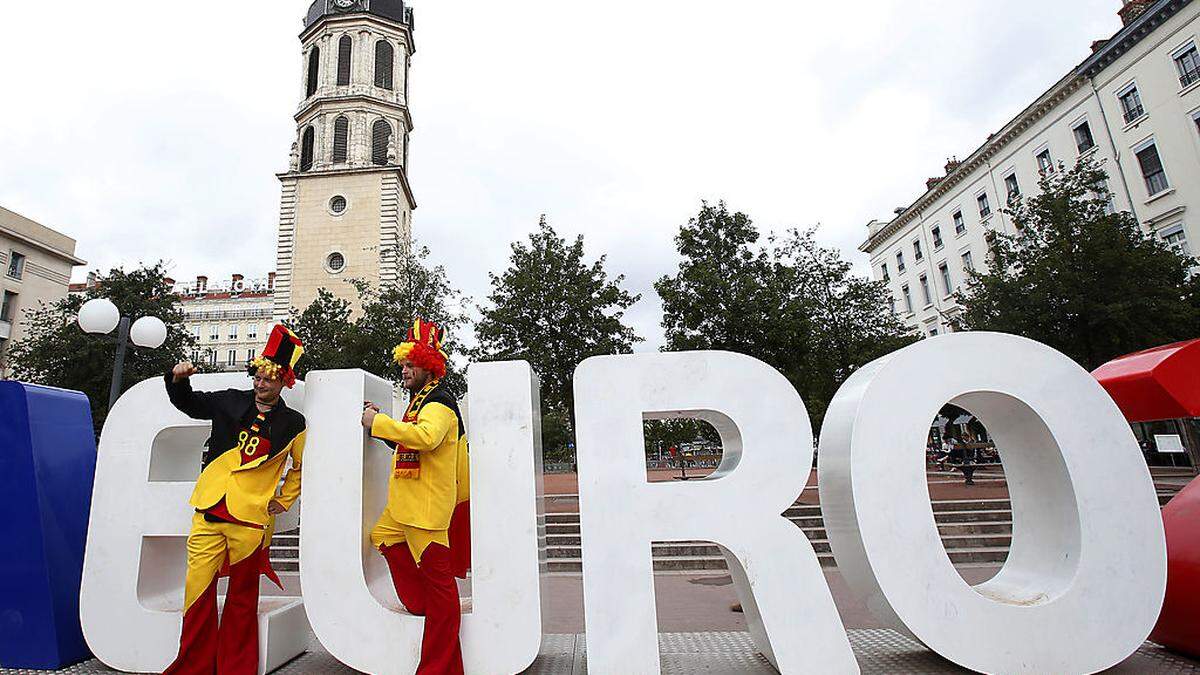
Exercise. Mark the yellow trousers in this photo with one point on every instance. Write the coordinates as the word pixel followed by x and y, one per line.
pixel 389 532
pixel 209 546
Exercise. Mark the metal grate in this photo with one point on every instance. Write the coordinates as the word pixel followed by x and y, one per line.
pixel 385 57
pixel 341 139
pixel 381 138
pixel 345 50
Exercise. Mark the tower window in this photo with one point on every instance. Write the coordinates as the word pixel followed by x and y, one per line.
pixel 314 71
pixel 337 205
pixel 335 262
pixel 341 139
pixel 345 50
pixel 385 58
pixel 381 138
pixel 306 149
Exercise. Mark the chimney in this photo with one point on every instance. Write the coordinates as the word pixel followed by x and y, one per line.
pixel 270 281
pixel 951 165
pixel 1098 45
pixel 1133 9
pixel 169 282
pixel 91 279
pixel 933 182
pixel 201 284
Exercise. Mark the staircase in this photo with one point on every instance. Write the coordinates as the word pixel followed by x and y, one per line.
pixel 974 532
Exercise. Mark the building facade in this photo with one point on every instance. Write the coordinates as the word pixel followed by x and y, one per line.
pixel 230 320
pixel 36 263
pixel 346 205
pixel 1133 107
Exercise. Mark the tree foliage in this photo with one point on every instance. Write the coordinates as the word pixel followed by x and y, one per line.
pixel 554 310
pixel 1080 277
pixel 56 352
pixel 791 303
pixel 336 336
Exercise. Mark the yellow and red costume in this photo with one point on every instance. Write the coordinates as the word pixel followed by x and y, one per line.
pixel 424 533
pixel 231 529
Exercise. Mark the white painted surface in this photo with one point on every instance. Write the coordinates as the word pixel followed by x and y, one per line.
pixel 1086 574
pixel 348 592
pixel 767 446
pixel 131 600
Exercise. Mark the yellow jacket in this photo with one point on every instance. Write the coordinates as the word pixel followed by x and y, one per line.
pixel 246 488
pixel 428 501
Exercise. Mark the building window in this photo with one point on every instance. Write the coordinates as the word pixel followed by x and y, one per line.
pixel 381 139
pixel 314 71
pixel 892 304
pixel 1131 104
pixel 947 285
pixel 335 262
pixel 1045 162
pixel 231 360
pixel 1083 137
pixel 968 264
pixel 16 265
pixel 345 51
pixel 900 262
pixel 385 58
pixel 249 355
pixel 937 236
pixel 925 294
pixel 252 332
pixel 933 331
pixel 341 139
pixel 1187 61
pixel 9 308
pixel 233 332
pixel 960 223
pixel 1152 169
pixel 214 332
pixel 907 299
pixel 307 143
pixel 337 205
pixel 195 333
pixel 917 254
pixel 985 206
pixel 1196 119
pixel 884 269
pixel 1173 236
pixel 1012 186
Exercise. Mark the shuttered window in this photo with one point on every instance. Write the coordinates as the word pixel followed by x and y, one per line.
pixel 341 139
pixel 345 50
pixel 385 58
pixel 314 71
pixel 306 149
pixel 381 138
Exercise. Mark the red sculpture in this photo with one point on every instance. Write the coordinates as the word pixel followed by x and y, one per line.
pixel 1179 624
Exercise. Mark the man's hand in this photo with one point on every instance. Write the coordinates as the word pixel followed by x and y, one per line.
pixel 275 508
pixel 182 371
pixel 370 410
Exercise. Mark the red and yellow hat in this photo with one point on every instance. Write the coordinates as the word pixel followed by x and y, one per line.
pixel 279 357
pixel 423 348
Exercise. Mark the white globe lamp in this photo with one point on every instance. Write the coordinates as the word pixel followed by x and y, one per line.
pixel 149 332
pixel 99 316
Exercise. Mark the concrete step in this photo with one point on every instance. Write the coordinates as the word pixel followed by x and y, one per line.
pixel 965 529
pixel 958 556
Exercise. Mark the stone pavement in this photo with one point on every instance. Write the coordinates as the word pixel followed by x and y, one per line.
pixel 726 653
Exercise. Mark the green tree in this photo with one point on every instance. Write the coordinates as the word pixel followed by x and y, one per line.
pixel 1080 277
pixel 794 305
pixel 336 336
pixel 56 352
pixel 553 309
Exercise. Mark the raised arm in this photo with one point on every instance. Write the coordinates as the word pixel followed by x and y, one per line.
pixel 197 405
pixel 427 433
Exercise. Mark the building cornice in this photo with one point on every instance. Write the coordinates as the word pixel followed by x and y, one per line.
pixel 41 246
pixel 1114 48
pixel 356 19
pixel 317 101
pixel 995 144
pixel 408 193
pixel 1130 35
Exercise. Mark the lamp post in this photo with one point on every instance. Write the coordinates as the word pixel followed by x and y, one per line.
pixel 100 316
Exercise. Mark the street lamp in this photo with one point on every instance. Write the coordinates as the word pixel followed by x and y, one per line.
pixel 100 316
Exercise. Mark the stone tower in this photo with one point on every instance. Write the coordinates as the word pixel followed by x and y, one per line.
pixel 346 208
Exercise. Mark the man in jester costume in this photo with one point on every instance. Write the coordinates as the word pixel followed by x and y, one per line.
pixel 236 500
pixel 424 533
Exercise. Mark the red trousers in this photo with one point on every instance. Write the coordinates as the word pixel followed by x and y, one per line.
pixel 429 590
pixel 232 647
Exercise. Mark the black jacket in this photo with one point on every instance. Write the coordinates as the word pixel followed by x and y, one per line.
pixel 231 411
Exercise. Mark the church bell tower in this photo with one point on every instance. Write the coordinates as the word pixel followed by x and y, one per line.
pixel 346 208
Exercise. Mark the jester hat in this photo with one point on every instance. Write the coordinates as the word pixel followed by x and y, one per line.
pixel 423 348
pixel 279 357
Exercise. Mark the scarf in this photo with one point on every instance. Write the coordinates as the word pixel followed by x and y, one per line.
pixel 408 462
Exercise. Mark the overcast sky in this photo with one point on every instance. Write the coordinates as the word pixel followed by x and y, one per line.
pixel 154 131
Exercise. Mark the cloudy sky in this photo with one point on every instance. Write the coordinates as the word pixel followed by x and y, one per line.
pixel 154 131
